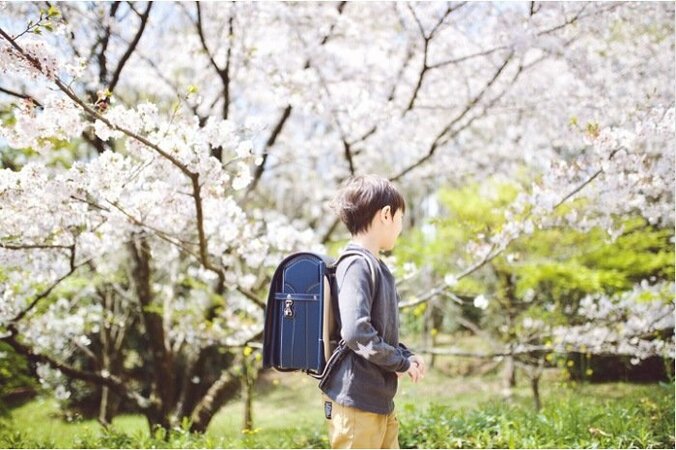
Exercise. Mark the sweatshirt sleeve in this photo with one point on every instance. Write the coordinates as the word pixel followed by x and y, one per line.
pixel 355 299
pixel 406 352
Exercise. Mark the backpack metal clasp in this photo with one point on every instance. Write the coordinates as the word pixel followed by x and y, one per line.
pixel 288 308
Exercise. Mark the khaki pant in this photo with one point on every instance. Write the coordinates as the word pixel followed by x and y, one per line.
pixel 353 428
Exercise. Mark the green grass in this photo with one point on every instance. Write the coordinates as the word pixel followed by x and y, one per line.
pixel 616 415
pixel 441 412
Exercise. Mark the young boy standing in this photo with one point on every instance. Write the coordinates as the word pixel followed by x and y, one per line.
pixel 358 395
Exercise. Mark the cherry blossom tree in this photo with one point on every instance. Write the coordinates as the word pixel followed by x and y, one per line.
pixel 148 207
pixel 171 153
pixel 530 306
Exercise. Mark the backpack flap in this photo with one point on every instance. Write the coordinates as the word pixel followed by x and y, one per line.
pixel 295 314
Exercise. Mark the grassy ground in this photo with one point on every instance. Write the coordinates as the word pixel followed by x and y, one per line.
pixel 441 412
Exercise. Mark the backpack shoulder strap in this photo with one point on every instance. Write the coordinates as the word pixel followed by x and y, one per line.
pixel 372 269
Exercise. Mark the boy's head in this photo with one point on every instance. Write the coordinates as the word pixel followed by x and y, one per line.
pixel 370 204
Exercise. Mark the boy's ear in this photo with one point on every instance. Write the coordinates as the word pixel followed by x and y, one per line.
pixel 386 212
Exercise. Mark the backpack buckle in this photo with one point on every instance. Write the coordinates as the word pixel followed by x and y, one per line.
pixel 288 308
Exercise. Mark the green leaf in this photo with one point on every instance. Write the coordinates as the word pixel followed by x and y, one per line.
pixel 53 11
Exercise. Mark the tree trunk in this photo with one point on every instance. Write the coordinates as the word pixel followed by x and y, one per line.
pixel 104 417
pixel 183 406
pixel 509 378
pixel 163 377
pixel 110 357
pixel 427 341
pixel 224 389
pixel 437 324
pixel 247 380
pixel 248 409
pixel 535 373
pixel 534 384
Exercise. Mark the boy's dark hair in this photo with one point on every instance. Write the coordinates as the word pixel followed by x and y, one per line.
pixel 361 197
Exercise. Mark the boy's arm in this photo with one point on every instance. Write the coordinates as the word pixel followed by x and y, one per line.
pixel 407 353
pixel 355 300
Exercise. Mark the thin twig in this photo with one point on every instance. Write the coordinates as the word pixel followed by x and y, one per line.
pixel 130 49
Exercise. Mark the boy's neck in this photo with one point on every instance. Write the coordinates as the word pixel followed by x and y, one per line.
pixel 368 242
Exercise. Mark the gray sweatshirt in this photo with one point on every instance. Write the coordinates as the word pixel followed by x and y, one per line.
pixel 366 378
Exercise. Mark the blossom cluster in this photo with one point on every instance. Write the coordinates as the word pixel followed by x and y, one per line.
pixel 633 323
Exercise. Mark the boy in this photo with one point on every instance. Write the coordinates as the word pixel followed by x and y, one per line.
pixel 358 395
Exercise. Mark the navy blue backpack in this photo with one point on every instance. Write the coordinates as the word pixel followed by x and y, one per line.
pixel 302 320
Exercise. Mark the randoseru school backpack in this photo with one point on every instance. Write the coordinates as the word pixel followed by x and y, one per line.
pixel 302 320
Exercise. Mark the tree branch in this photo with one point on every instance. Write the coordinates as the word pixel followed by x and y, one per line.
pixel 200 32
pixel 285 116
pixel 21 96
pixel 390 97
pixel 330 230
pixel 269 143
pixel 570 21
pixel 223 73
pixel 193 176
pixel 490 255
pixel 161 234
pixel 487 52
pixel 251 296
pixel 204 254
pixel 491 103
pixel 470 105
pixel 104 40
pixel 468 57
pixel 442 288
pixel 524 349
pixel 213 399
pixel 93 113
pixel 32 246
pixel 48 291
pixel 426 43
pixel 130 49
pixel 102 379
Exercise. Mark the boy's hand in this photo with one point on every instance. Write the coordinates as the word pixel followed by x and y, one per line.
pixel 412 372
pixel 416 370
pixel 422 367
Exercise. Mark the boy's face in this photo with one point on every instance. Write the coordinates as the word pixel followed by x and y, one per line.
pixel 392 226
